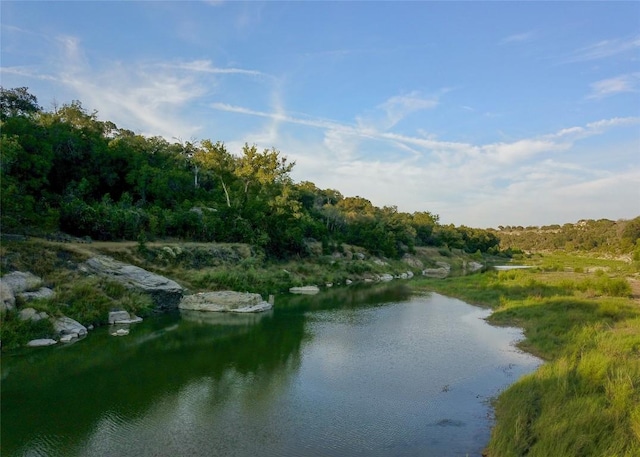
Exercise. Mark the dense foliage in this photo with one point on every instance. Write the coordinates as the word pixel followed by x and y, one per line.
pixel 67 170
pixel 603 235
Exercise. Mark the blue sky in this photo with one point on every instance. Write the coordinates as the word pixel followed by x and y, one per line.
pixel 486 113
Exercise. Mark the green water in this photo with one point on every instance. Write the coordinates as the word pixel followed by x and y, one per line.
pixel 350 372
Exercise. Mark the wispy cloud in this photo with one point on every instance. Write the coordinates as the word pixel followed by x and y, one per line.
pixel 605 48
pixel 519 38
pixel 206 66
pixel 616 85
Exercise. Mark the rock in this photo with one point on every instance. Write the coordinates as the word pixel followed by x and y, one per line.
pixel 348 282
pixel 260 307
pixel 41 342
pixel 439 273
pixel 329 284
pixel 359 256
pixel 166 293
pixel 118 316
pixel 67 326
pixel 444 265
pixel 20 281
pixel 307 290
pixel 7 298
pixel 120 332
pixel 29 314
pixel 380 262
pixel 386 277
pixel 225 301
pixel 68 338
pixel 474 266
pixel 43 292
pixel 412 261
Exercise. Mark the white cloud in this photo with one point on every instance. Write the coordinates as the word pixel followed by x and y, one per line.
pixel 605 48
pixel 616 85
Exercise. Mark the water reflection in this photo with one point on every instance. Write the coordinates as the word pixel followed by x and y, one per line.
pixel 352 371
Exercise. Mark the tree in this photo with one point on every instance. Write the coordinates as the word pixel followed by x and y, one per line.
pixel 17 102
pixel 216 159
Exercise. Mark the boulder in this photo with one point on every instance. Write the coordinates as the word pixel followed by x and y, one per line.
pixel 67 326
pixel 29 314
pixel 120 332
pixel 7 298
pixel 20 281
pixel 123 317
pixel 472 267
pixel 166 293
pixel 307 290
pixel 43 292
pixel 41 342
pixel 16 283
pixel 386 277
pixel 225 301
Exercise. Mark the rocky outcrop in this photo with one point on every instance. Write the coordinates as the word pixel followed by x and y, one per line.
pixel 225 301
pixel 166 293
pixel 307 290
pixel 7 298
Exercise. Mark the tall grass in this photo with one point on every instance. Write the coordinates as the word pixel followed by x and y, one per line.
pixel 585 400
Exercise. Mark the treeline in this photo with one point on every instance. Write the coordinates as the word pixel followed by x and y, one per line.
pixel 600 235
pixel 67 170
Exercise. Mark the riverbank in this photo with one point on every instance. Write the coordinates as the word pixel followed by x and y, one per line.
pixel 581 315
pixel 196 267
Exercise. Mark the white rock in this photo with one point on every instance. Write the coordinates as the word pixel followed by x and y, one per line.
pixel 41 342
pixel 120 332
pixel 67 326
pixel 28 314
pixel 68 338
pixel 386 277
pixel 348 281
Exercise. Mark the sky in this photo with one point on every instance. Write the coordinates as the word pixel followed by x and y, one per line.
pixel 484 113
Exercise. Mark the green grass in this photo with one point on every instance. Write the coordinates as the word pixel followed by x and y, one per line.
pixel 577 314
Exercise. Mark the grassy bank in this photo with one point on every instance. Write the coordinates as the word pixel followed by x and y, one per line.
pixel 580 315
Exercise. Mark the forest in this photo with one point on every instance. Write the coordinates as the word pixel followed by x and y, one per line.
pixel 65 170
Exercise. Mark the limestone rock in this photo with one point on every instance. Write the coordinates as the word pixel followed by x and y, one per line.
pixel 67 326
pixel 225 301
pixel 412 261
pixel 7 298
pixel 166 293
pixel 41 342
pixel 386 277
pixel 123 317
pixel 20 281
pixel 307 290
pixel 30 314
pixel 43 292
pixel 68 338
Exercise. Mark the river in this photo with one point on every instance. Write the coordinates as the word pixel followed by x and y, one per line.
pixel 358 371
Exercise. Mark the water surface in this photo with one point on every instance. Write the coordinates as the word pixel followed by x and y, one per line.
pixel 349 372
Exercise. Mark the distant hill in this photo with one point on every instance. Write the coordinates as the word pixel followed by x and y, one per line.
pixel 602 235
